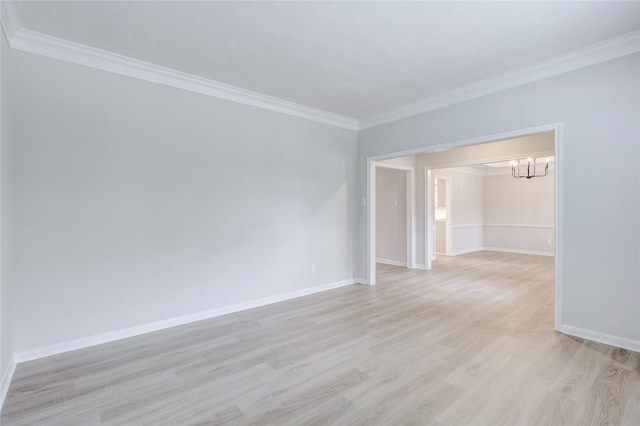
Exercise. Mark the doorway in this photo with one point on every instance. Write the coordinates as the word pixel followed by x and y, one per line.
pixel 442 194
pixel 393 213
pixel 476 145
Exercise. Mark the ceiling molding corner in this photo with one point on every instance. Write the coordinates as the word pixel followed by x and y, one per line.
pixel 52 47
pixel 590 55
pixel 9 20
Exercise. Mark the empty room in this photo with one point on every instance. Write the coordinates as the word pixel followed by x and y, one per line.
pixel 265 213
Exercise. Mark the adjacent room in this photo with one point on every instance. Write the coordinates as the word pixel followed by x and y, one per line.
pixel 503 201
pixel 319 213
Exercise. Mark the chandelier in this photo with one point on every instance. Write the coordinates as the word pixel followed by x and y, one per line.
pixel 518 172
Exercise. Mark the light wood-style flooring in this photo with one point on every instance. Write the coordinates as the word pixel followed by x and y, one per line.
pixel 469 343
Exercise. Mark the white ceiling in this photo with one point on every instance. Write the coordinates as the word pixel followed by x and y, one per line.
pixel 356 59
pixel 502 165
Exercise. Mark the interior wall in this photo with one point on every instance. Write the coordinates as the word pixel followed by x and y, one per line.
pixel 137 203
pixel 391 216
pixel 519 213
pixel 6 220
pixel 598 107
pixel 466 210
pixel 404 161
pixel 466 224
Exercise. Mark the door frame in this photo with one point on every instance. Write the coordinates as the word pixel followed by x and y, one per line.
pixel 556 127
pixel 430 193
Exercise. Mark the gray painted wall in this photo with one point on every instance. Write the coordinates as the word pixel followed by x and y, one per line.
pixel 136 202
pixel 391 215
pixel 599 107
pixel 6 218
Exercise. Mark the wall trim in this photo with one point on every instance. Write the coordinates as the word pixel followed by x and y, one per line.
pixel 465 251
pixel 473 225
pixel 607 339
pixel 590 55
pixel 362 281
pixel 10 21
pixel 111 336
pixel 516 251
pixel 517 225
pixel 45 45
pixel 394 166
pixel 391 262
pixel 502 250
pixel 6 381
pixel 52 47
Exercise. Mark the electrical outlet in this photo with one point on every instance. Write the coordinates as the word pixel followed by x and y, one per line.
pixel 313 268
pixel 549 242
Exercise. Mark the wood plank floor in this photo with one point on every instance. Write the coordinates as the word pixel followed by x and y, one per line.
pixel 469 343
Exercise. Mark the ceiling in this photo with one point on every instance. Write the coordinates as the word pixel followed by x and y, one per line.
pixel 355 59
pixel 500 166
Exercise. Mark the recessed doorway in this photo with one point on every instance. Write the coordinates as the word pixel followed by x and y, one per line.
pixel 477 151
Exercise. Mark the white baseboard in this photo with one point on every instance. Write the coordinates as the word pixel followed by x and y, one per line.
pixel 538 253
pixel 6 381
pixel 502 250
pixel 420 266
pixel 391 262
pixel 362 281
pixel 620 342
pixel 111 336
pixel 471 250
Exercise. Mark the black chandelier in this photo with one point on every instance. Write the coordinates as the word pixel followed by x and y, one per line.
pixel 518 172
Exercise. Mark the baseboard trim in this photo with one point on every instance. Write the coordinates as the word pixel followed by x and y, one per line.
pixel 6 381
pixel 503 250
pixel 112 336
pixel 391 262
pixel 607 339
pixel 471 250
pixel 362 281
pixel 517 225
pixel 421 266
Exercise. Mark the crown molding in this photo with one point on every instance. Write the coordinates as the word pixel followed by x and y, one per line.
pixel 590 55
pixel 41 44
pixel 52 47
pixel 10 21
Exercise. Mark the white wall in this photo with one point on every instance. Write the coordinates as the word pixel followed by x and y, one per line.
pixel 598 107
pixel 6 226
pixel 404 161
pixel 137 202
pixel 391 216
pixel 518 213
pixel 466 212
